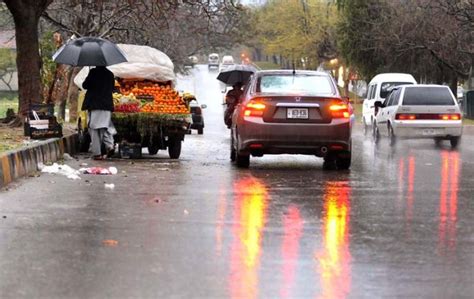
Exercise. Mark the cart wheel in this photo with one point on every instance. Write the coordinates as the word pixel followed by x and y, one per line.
pixel 84 138
pixel 153 149
pixel 174 148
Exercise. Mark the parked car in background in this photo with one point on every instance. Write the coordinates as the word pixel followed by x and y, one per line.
pixel 286 112
pixel 377 90
pixel 226 62
pixel 419 111
pixel 213 61
pixel 196 112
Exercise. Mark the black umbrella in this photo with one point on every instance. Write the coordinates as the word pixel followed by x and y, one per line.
pixel 89 51
pixel 238 73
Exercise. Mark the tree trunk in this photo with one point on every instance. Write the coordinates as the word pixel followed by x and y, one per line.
pixel 470 79
pixel 345 77
pixel 453 85
pixel 28 61
pixel 26 14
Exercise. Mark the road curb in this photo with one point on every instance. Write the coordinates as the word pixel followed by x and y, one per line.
pixel 22 162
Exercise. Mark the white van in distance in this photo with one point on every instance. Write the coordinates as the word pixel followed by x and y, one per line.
pixel 377 90
pixel 213 61
pixel 226 62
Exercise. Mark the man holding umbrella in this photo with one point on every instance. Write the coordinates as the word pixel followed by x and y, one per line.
pixel 94 51
pixel 99 102
pixel 232 99
pixel 237 76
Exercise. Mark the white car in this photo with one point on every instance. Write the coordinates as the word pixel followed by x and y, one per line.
pixel 226 62
pixel 377 90
pixel 419 111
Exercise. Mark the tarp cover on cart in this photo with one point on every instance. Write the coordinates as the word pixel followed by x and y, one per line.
pixel 144 63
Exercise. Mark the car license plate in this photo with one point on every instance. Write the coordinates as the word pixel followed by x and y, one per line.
pixel 430 132
pixel 297 113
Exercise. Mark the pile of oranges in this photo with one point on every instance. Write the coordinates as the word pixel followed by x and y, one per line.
pixel 165 99
pixel 164 108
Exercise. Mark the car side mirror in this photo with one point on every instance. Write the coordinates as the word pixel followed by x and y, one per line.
pixel 378 104
pixel 203 106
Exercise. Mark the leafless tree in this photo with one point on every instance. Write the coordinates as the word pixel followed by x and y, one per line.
pixel 179 28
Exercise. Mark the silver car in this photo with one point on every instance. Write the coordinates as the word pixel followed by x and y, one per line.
pixel 292 112
pixel 419 111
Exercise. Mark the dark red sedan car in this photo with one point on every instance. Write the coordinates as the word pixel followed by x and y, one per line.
pixel 292 112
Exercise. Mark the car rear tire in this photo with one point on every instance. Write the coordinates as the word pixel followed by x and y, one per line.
pixel 201 131
pixel 329 161
pixel 454 141
pixel 391 134
pixel 153 149
pixel 174 148
pixel 243 161
pixel 233 153
pixel 375 133
pixel 343 162
pixel 366 127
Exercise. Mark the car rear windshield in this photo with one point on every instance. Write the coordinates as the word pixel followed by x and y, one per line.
pixel 314 84
pixel 385 87
pixel 435 96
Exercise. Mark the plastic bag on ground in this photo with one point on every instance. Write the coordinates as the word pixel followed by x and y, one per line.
pixel 63 169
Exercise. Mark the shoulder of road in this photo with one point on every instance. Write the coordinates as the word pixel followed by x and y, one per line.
pixel 24 161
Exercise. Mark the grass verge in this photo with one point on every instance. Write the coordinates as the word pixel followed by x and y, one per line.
pixel 467 121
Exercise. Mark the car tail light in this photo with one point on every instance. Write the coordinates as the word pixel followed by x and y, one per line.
pixel 254 108
pixel 454 116
pixel 428 116
pixel 405 116
pixel 340 110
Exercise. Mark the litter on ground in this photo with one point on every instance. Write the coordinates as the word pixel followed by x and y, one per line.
pixel 99 170
pixel 109 186
pixel 63 169
pixel 66 157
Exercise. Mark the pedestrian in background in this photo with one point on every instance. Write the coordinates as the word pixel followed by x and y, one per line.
pixel 99 104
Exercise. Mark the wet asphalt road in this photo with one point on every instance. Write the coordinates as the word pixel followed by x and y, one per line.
pixel 398 225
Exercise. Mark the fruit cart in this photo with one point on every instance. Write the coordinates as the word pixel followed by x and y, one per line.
pixel 149 112
pixel 152 115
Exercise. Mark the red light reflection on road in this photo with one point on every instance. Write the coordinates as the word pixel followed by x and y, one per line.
pixel 249 219
pixel 335 258
pixel 448 201
pixel 411 188
pixel 292 227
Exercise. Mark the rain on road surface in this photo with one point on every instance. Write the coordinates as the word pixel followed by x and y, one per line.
pixel 399 224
